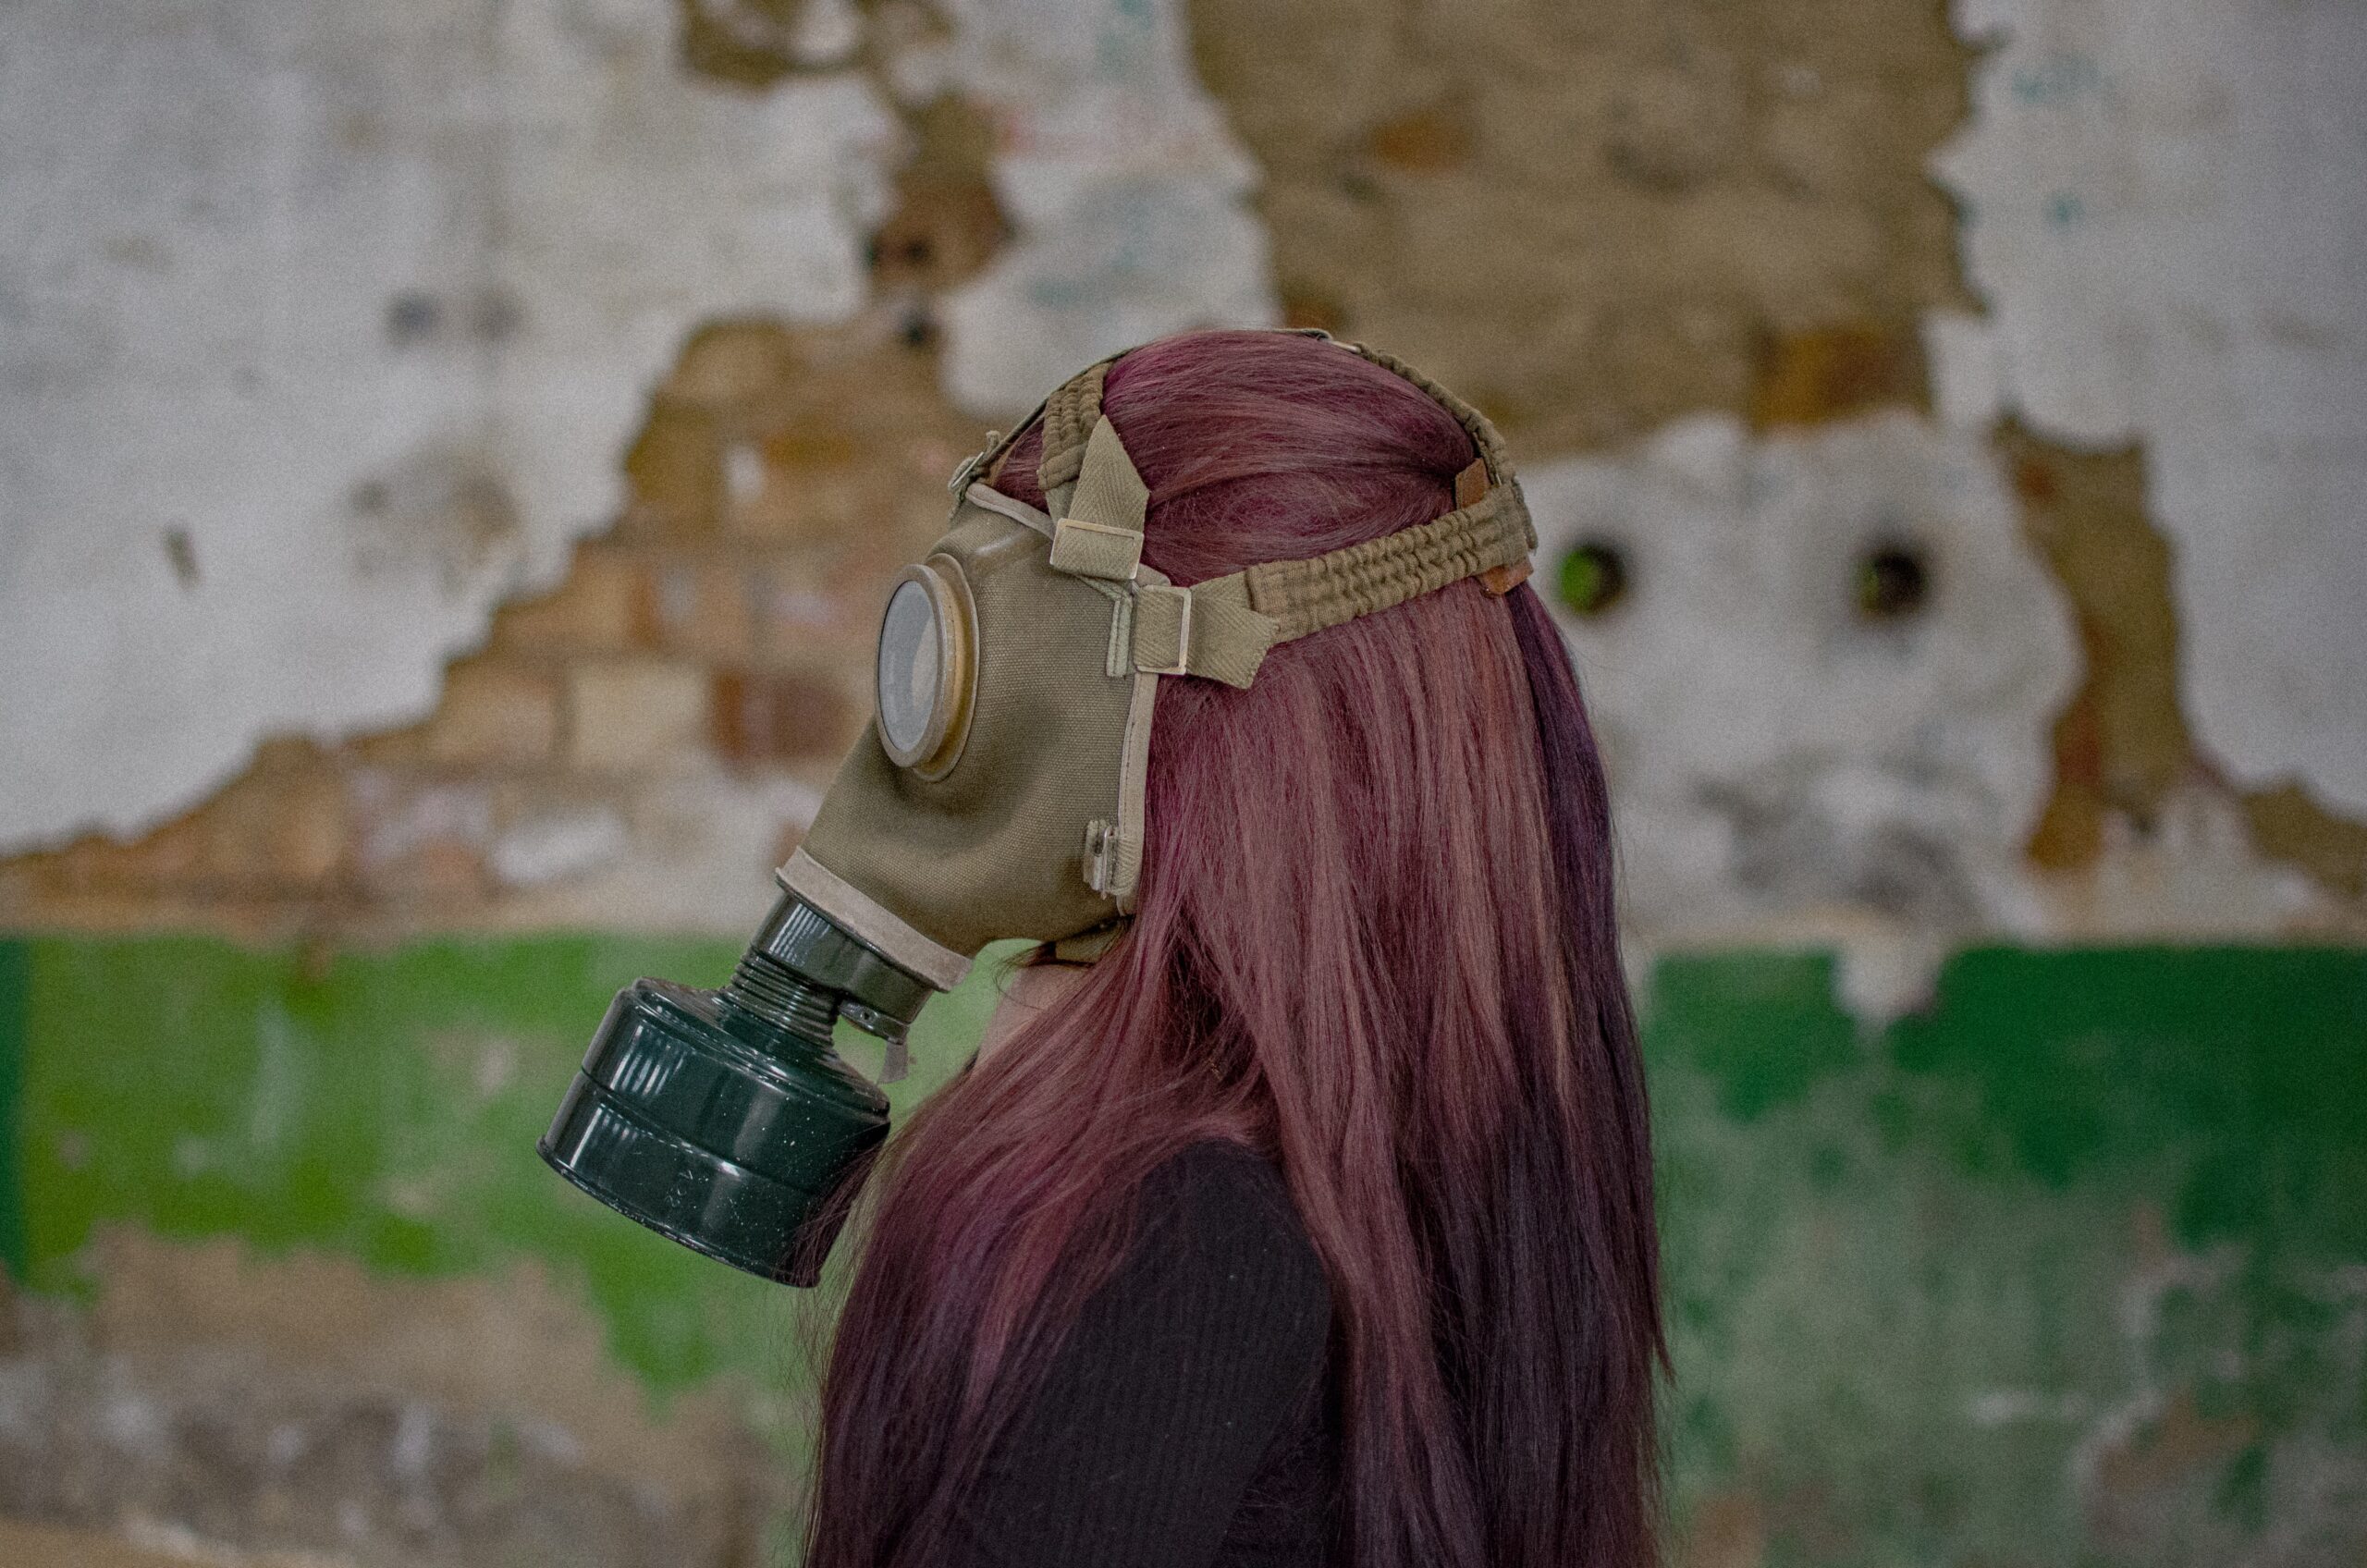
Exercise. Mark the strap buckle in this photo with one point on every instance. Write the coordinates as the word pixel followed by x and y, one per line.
pixel 1096 549
pixel 1148 595
pixel 975 465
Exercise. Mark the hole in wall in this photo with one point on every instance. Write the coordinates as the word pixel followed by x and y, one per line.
pixel 1892 582
pixel 1592 578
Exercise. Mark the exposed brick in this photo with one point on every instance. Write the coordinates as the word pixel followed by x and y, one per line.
pixel 1426 142
pixel 601 606
pixel 493 712
pixel 1833 371
pixel 786 718
pixel 706 608
pixel 643 715
pixel 675 471
pixel 730 363
pixel 284 822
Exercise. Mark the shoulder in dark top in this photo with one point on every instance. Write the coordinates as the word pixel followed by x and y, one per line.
pixel 1187 1389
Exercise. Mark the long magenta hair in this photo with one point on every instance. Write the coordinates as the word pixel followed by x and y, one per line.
pixel 1376 942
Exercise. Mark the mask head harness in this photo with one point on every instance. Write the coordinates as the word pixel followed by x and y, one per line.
pixel 998 793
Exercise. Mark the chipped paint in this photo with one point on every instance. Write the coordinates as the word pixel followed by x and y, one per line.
pixel 2064 1269
pixel 332 323
pixel 2162 212
pixel 1127 191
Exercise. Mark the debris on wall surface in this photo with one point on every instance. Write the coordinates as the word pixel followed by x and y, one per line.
pixel 2164 214
pixel 1823 665
pixel 329 323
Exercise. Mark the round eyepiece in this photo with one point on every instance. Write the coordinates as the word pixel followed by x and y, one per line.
pixel 926 668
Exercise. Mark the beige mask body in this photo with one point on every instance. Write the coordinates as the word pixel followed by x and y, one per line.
pixel 995 846
pixel 1034 827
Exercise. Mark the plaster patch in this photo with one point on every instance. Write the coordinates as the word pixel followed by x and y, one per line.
pixel 326 327
pixel 2162 208
pixel 1128 193
pixel 1774 747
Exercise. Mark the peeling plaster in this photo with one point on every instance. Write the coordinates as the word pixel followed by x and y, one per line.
pixel 1128 192
pixel 328 325
pixel 2164 209
pixel 1773 750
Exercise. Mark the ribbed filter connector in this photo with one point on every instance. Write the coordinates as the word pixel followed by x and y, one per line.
pixel 766 988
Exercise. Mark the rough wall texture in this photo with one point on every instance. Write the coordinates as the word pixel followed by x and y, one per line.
pixel 327 324
pixel 1952 558
pixel 1595 218
pixel 2063 1269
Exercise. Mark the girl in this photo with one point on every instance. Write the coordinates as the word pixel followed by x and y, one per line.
pixel 1311 1222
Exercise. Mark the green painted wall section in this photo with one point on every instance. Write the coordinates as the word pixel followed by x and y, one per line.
pixel 381 1106
pixel 2069 1268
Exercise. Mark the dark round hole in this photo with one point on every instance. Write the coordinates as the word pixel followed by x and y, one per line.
pixel 1893 582
pixel 1592 578
pixel 410 317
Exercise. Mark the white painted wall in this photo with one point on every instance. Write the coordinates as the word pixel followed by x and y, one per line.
pixel 328 324
pixel 1773 750
pixel 2167 211
pixel 363 302
pixel 1128 190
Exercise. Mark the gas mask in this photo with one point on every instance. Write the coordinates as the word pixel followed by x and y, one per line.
pixel 997 793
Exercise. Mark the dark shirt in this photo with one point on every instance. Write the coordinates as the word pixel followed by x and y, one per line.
pixel 1184 1422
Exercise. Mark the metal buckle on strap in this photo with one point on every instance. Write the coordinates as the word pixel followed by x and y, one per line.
pixel 1182 628
pixel 975 465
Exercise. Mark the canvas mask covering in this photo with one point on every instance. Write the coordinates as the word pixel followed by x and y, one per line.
pixel 997 793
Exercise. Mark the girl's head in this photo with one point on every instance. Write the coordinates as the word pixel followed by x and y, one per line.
pixel 1375 940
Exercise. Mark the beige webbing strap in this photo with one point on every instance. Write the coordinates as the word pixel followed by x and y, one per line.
pixel 1070 415
pixel 1221 630
pixel 1099 531
pixel 1207 630
pixel 1476 424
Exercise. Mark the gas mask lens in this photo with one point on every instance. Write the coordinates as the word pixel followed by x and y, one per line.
pixel 926 667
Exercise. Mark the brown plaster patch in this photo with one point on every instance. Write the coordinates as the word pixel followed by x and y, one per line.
pixel 2122 743
pixel 1593 219
pixel 1831 373
pixel 2288 826
pixel 1726 1530
pixel 744 42
pixel 947 224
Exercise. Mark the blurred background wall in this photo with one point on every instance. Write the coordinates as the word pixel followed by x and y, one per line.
pixel 450 458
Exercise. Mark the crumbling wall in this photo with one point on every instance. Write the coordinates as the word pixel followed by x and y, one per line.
pixel 2163 219
pixel 453 456
pixel 330 323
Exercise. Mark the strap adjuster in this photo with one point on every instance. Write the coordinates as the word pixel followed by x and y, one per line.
pixel 1096 549
pixel 1151 616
